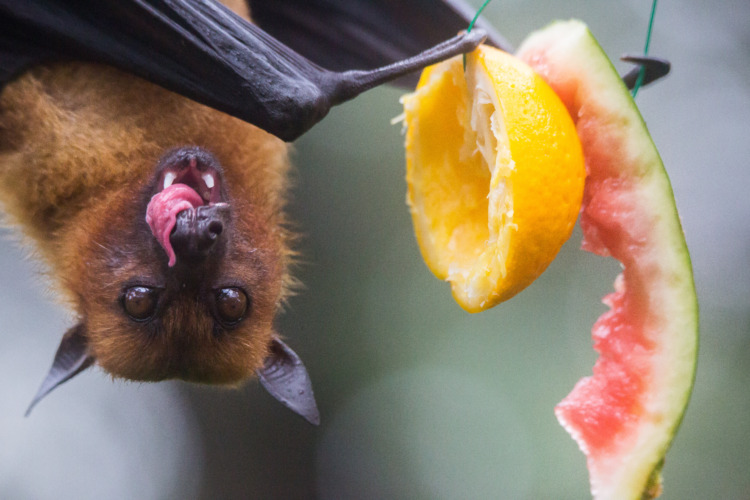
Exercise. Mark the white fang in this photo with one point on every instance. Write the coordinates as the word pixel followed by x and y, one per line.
pixel 209 180
pixel 169 179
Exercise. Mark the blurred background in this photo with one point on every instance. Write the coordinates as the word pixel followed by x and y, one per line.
pixel 419 399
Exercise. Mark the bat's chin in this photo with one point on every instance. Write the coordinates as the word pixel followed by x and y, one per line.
pixel 205 364
pixel 188 210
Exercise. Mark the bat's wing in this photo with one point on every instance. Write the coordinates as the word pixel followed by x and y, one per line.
pixel 344 34
pixel 202 50
pixel 364 34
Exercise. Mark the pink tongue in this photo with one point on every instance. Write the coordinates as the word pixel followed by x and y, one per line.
pixel 162 210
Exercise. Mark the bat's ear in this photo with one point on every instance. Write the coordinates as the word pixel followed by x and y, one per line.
pixel 72 358
pixel 285 378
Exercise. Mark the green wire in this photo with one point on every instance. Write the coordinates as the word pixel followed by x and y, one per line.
pixel 642 72
pixel 473 21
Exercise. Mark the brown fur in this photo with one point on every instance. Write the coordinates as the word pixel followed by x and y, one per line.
pixel 78 148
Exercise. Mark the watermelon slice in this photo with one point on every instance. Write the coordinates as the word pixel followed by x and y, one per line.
pixel 625 415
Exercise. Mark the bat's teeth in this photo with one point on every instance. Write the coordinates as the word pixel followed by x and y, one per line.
pixel 209 180
pixel 169 179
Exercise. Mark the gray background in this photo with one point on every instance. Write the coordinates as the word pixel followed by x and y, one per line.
pixel 419 399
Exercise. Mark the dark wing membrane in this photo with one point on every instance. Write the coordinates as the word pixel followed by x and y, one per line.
pixel 199 49
pixel 346 34
pixel 17 50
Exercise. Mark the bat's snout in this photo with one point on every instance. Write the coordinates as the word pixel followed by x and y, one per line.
pixel 198 231
pixel 188 213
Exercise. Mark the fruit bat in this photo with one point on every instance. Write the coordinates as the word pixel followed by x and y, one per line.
pixel 143 156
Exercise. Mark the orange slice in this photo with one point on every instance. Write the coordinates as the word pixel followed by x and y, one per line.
pixel 495 174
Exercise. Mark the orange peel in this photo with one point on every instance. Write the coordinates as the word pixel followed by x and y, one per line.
pixel 495 174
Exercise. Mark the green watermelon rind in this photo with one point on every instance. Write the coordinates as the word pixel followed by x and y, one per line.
pixel 572 47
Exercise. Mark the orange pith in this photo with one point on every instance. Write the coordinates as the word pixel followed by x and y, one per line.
pixel 495 175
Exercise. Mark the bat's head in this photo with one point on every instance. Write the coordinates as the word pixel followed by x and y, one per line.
pixel 183 279
pixel 190 289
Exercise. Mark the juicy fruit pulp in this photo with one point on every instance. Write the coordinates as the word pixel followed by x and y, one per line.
pixel 495 175
pixel 624 416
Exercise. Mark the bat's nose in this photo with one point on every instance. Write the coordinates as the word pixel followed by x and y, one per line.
pixel 198 231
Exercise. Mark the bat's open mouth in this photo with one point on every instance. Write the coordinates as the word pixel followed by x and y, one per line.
pixel 186 179
pixel 204 180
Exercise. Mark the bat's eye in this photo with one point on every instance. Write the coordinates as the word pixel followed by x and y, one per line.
pixel 139 302
pixel 231 305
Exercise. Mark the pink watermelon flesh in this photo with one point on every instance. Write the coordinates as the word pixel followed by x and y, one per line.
pixel 624 415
